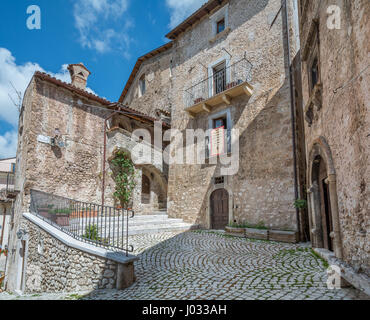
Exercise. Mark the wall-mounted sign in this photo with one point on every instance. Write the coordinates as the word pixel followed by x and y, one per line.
pixel 43 139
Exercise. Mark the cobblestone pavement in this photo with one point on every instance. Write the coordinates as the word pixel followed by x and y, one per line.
pixel 207 265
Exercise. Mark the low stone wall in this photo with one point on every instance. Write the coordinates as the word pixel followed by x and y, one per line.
pixel 53 266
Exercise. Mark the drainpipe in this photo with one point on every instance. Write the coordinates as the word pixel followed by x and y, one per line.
pixel 3 227
pixel 291 84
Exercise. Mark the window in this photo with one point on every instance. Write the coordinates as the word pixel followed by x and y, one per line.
pixel 218 123
pixel 314 73
pixel 221 25
pixel 220 20
pixel 219 78
pixel 218 140
pixel 142 86
pixel 220 180
pixel 218 136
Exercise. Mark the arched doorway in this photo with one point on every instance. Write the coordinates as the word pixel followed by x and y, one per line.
pixel 320 179
pixel 323 199
pixel 145 189
pixel 219 209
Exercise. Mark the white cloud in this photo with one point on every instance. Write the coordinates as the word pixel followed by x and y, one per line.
pixel 18 76
pixel 95 20
pixel 182 9
pixel 8 144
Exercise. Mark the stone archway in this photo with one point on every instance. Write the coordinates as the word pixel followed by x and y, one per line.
pixel 323 200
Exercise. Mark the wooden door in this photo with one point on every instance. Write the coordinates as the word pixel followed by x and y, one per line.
pixel 327 223
pixel 219 209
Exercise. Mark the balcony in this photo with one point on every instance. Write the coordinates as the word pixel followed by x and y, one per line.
pixel 224 85
pixel 7 182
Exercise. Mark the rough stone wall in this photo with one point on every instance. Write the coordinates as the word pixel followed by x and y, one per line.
pixel 263 188
pixel 54 267
pixel 158 86
pixel 344 117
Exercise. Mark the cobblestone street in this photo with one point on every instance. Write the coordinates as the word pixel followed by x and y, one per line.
pixel 209 265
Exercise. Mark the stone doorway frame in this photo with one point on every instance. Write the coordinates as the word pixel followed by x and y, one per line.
pixel 231 205
pixel 320 148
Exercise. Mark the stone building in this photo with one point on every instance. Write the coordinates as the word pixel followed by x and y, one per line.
pixel 225 66
pixel 335 82
pixel 7 171
pixel 260 84
pixel 61 148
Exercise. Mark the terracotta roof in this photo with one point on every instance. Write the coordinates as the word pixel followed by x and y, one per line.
pixel 138 65
pixel 69 86
pixel 196 16
pixel 105 103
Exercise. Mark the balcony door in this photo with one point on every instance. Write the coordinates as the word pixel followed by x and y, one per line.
pixel 219 78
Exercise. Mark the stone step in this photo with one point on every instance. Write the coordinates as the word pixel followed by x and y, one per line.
pixel 150 217
pixel 144 223
pixel 159 212
pixel 161 228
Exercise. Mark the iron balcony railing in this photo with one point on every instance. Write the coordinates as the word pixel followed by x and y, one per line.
pixel 220 81
pixel 102 226
pixel 7 182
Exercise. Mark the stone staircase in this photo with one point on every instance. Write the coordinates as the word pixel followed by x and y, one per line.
pixel 157 222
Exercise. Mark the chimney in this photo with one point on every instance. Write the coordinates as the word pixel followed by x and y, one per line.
pixel 79 74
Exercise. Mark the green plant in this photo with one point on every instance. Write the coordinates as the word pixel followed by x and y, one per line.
pixel 60 211
pixel 92 233
pixel 260 225
pixel 300 204
pixel 124 177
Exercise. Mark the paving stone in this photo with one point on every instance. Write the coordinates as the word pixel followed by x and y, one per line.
pixel 207 265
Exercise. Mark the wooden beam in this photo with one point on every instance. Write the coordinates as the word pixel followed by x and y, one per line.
pixel 248 91
pixel 206 107
pixel 191 114
pixel 226 98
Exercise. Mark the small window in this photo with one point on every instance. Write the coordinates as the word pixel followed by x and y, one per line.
pixel 220 180
pixel 314 73
pixel 142 86
pixel 218 123
pixel 221 25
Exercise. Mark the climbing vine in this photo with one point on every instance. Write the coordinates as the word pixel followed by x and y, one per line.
pixel 300 204
pixel 124 177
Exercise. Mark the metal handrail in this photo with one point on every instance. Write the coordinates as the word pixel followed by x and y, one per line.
pixel 219 81
pixel 102 226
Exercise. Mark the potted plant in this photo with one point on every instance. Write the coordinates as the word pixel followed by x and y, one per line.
pixel 235 229
pixel 258 231
pixel 196 101
pixel 4 252
pixel 283 236
pixel 60 216
pixel 44 211
pixel 231 84
pixel 2 277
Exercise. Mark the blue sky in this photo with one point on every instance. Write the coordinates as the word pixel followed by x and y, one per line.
pixel 106 35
